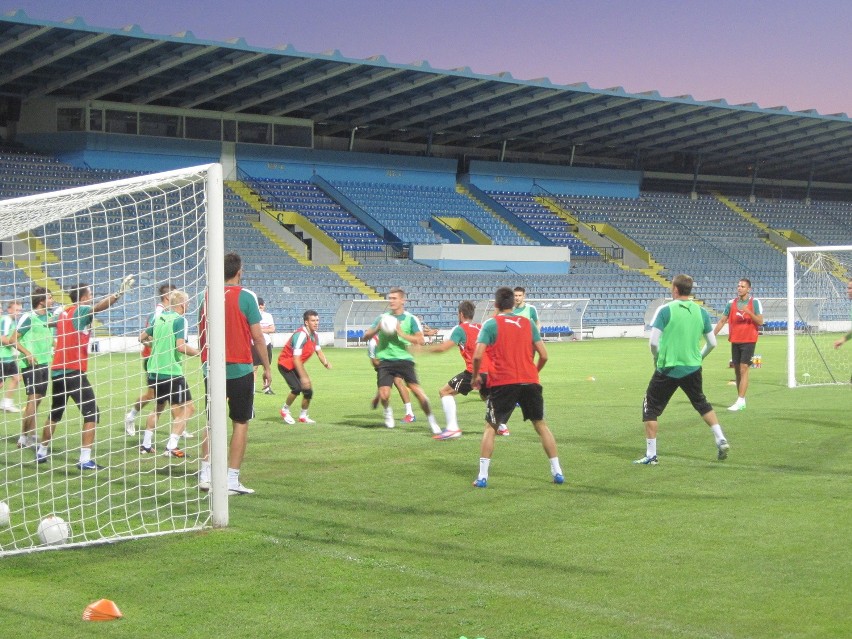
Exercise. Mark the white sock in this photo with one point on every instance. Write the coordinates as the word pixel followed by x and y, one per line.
pixel 555 468
pixel 449 404
pixel 204 471
pixel 389 412
pixel 147 438
pixel 433 423
pixel 132 413
pixel 285 408
pixel 22 440
pixel 304 413
pixel 651 447
pixel 173 441
pixel 502 427
pixel 717 432
pixel 42 450
pixel 484 463
pixel 408 409
pixel 233 476
pixel 85 455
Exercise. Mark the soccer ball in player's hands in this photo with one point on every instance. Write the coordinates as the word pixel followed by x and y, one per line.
pixel 388 324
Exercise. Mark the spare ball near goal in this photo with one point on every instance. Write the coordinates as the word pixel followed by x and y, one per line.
pixel 53 530
pixel 388 324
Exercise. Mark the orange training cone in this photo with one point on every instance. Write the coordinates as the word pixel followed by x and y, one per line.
pixel 101 610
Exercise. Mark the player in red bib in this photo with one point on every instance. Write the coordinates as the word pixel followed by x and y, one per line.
pixel 511 341
pixel 242 328
pixel 303 343
pixel 743 315
pixel 464 337
pixel 68 371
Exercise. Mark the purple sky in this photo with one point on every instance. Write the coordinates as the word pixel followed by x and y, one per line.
pixel 793 53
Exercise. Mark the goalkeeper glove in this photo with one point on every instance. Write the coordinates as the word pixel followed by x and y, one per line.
pixel 126 285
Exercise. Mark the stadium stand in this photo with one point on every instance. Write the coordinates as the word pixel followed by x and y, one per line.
pixel 705 236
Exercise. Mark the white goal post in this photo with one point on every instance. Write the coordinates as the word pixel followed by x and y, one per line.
pixel 164 228
pixel 818 313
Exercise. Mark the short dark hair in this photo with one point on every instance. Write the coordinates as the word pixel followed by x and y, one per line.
pixel 309 313
pixel 520 289
pixel 397 289
pixel 233 264
pixel 39 296
pixel 746 280
pixel 683 283
pixel 260 302
pixel 504 298
pixel 76 292
pixel 466 308
pixel 165 289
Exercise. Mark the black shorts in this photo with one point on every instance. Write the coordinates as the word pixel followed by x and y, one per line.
pixel 660 391
pixel 36 379
pixel 240 393
pixel 461 383
pixel 292 379
pixel 255 358
pixel 502 400
pixel 172 390
pixel 742 353
pixel 73 385
pixel 8 369
pixel 391 368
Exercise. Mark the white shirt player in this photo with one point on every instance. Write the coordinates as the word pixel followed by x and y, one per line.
pixel 266 321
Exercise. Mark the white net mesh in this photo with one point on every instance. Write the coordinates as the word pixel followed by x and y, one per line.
pixel 819 315
pixel 153 228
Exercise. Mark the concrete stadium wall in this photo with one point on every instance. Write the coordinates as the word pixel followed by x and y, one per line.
pixel 125 152
pixel 559 180
pixel 302 164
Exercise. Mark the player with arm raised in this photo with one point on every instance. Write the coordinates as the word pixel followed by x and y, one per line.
pixel 394 358
pixel 68 371
pixel 148 395
pixel 166 337
pixel 303 343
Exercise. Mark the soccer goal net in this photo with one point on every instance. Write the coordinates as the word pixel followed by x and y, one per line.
pixel 559 318
pixel 58 247
pixel 818 314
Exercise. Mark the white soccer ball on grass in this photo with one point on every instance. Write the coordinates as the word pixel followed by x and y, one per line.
pixel 388 324
pixel 4 514
pixel 53 530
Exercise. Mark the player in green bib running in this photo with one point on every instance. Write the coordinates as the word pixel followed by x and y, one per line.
pixel 675 337
pixel 166 335
pixel 396 361
pixel 35 345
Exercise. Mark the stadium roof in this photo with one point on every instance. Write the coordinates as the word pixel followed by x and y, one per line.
pixel 415 103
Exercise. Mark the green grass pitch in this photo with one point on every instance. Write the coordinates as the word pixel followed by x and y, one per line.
pixel 360 531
